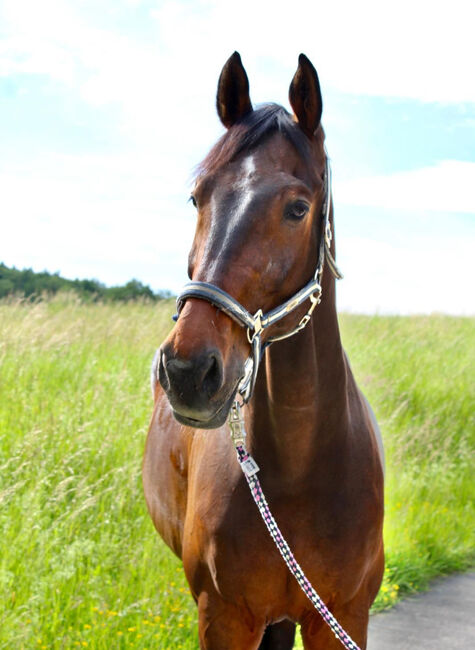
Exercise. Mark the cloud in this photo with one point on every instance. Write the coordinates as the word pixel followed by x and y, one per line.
pixel 417 278
pixel 446 187
pixel 108 217
pixel 114 217
pixel 418 50
pixel 124 214
pixel 419 255
pixel 407 49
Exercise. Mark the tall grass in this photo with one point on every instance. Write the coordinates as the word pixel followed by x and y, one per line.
pixel 418 374
pixel 80 562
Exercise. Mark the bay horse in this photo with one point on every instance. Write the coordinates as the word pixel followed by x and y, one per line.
pixel 261 195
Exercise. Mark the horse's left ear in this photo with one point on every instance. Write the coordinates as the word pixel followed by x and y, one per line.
pixel 232 99
pixel 305 96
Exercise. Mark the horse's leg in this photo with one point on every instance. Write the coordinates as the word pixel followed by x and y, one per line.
pixel 354 617
pixel 279 636
pixel 222 625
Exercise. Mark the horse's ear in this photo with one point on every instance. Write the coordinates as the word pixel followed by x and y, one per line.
pixel 305 96
pixel 232 99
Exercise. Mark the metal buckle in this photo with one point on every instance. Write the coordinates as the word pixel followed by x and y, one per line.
pixel 314 299
pixel 304 321
pixel 257 326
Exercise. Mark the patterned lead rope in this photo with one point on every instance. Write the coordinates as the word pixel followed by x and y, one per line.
pixel 250 469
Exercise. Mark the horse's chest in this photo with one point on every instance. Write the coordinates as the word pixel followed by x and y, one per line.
pixel 243 560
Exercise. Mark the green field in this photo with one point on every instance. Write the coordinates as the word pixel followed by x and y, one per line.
pixel 80 562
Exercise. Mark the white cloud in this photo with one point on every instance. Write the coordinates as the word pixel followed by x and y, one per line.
pixel 416 278
pixel 419 49
pixel 108 217
pixel 422 50
pixel 163 82
pixel 418 262
pixel 114 217
pixel 446 187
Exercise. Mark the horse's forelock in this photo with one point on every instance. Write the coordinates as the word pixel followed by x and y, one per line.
pixel 251 131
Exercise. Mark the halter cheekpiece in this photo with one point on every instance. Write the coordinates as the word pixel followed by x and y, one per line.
pixel 257 323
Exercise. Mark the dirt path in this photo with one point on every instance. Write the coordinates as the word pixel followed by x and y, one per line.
pixel 441 619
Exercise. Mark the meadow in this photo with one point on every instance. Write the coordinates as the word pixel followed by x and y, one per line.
pixel 80 562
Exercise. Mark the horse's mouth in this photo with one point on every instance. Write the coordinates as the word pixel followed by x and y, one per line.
pixel 215 421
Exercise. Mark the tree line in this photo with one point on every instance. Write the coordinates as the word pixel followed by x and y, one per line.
pixel 29 284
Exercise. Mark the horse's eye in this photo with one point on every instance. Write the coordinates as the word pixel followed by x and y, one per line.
pixel 297 210
pixel 193 201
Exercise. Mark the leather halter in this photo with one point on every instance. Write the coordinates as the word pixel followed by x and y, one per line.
pixel 256 324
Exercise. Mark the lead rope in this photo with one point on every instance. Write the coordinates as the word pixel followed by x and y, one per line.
pixel 250 469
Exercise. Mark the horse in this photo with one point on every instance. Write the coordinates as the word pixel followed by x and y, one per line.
pixel 261 197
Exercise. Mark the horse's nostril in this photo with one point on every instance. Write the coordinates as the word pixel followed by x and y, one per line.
pixel 212 376
pixel 162 372
pixel 198 378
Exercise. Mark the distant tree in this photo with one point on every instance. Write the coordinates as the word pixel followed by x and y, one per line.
pixel 29 284
pixel 6 287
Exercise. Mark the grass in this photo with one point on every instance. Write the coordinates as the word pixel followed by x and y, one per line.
pixel 418 375
pixel 80 562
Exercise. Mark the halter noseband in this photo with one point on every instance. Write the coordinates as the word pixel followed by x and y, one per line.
pixel 256 324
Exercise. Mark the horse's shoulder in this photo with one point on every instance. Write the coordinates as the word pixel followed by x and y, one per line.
pixel 362 414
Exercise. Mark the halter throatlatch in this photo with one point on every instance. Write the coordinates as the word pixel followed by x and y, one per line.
pixel 256 324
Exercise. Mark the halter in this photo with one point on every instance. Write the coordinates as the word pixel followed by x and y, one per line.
pixel 256 324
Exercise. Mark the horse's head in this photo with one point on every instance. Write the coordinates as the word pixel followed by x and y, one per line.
pixel 258 196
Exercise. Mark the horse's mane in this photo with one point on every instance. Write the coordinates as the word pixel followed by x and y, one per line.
pixel 250 131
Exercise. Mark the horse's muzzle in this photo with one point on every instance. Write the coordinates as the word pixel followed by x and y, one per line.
pixel 195 387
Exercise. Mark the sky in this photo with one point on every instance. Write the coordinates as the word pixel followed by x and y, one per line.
pixel 106 107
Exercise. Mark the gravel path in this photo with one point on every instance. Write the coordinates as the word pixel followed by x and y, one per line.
pixel 442 618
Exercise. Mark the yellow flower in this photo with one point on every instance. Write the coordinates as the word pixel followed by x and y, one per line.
pixel 87 626
pixel 131 629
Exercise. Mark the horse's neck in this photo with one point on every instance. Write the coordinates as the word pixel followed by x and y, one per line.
pixel 300 406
